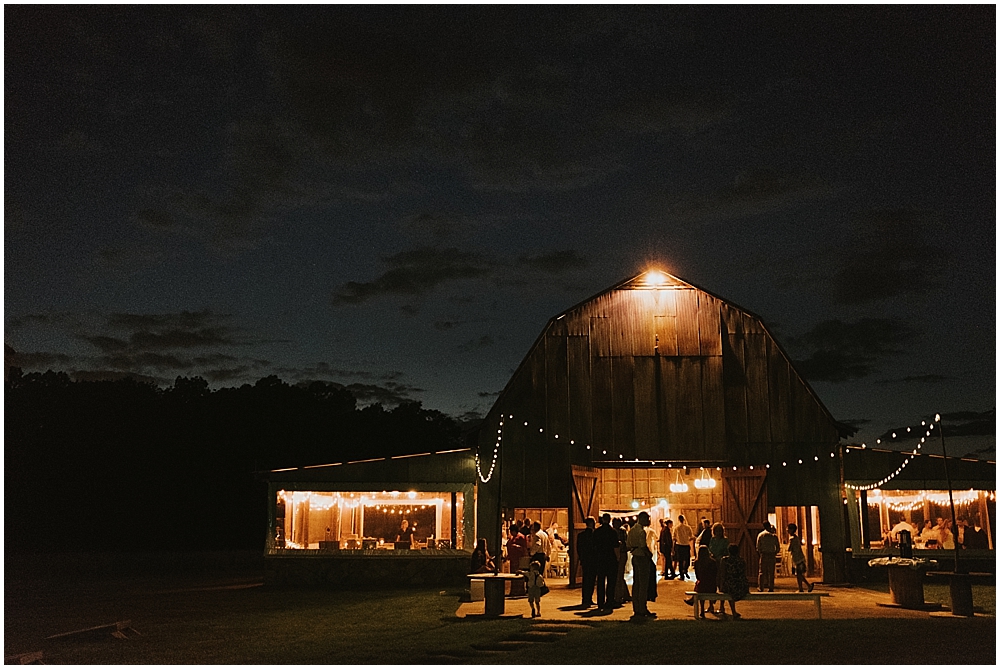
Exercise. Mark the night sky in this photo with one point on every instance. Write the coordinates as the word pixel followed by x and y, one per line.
pixel 397 199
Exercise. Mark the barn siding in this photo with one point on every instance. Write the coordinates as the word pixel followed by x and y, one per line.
pixel 674 374
pixel 580 390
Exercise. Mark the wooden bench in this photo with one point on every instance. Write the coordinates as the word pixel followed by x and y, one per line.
pixel 760 596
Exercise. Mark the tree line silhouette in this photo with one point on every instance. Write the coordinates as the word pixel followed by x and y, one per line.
pixel 124 465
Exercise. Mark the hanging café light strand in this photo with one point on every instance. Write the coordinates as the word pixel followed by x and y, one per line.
pixel 881 482
pixel 708 482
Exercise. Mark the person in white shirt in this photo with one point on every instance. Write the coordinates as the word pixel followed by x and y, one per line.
pixel 683 536
pixel 899 527
pixel 639 543
pixel 768 548
pixel 540 545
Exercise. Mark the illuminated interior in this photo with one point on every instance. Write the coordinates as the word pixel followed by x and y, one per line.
pixel 886 509
pixel 368 520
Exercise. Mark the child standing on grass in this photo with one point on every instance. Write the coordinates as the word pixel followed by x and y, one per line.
pixel 798 557
pixel 535 581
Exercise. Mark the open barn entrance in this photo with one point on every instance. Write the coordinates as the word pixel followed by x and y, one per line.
pixel 555 522
pixel 735 497
pixel 806 518
pixel 666 492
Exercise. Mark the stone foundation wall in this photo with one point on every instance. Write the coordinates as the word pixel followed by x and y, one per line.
pixel 367 572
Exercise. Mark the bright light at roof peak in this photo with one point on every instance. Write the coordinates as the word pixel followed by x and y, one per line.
pixel 655 277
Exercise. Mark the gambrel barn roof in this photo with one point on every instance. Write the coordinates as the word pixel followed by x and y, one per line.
pixel 657 369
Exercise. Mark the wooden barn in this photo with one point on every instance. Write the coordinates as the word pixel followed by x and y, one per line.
pixel 658 395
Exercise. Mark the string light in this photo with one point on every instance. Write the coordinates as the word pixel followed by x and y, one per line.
pixel 496 452
pixel 913 454
pixel 703 481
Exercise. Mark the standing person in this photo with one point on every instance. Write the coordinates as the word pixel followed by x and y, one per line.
pixel 540 547
pixel 535 581
pixel 963 526
pixel 622 595
pixel 517 550
pixel 718 546
pixel 705 533
pixel 946 537
pixel 405 533
pixel 768 547
pixel 798 557
pixel 587 553
pixel 667 547
pixel 606 557
pixel 735 580
pixel 638 543
pixel 651 541
pixel 706 570
pixel 683 538
pixel 929 535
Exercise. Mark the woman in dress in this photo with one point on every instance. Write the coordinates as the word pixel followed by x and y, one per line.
pixel 735 580
pixel 718 548
pixel 706 571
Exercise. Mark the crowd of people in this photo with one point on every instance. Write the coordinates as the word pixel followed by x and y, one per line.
pixel 941 534
pixel 607 548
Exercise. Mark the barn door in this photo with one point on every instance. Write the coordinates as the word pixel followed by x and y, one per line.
pixel 744 510
pixel 585 502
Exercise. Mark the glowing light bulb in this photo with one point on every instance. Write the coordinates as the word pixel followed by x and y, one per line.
pixel 655 278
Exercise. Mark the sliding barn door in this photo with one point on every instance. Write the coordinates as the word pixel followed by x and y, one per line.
pixel 585 502
pixel 744 510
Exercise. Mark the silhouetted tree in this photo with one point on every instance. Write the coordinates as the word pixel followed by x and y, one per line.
pixel 124 465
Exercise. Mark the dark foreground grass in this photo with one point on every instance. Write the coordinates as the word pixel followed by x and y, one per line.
pixel 191 621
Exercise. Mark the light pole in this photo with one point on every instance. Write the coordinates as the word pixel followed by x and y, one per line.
pixel 951 499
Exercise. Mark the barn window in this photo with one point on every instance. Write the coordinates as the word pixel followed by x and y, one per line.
pixel 340 520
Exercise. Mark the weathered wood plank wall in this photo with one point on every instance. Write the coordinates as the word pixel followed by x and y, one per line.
pixel 672 374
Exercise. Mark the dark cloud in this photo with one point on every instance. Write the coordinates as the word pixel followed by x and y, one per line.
pixel 837 351
pixel 105 343
pixel 438 227
pixel 169 331
pixel 56 319
pixel 176 338
pixel 444 326
pixel 37 360
pixel 421 270
pixel 148 345
pixel 475 344
pixel 389 393
pixel 555 262
pixel 416 272
pixel 114 375
pixel 920 378
pixel 144 360
pixel 485 394
pixel 890 254
pixel 182 319
pixel 229 374
pixel 752 192
pixel 322 370
pixel 856 422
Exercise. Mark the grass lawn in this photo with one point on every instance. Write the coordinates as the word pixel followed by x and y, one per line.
pixel 191 621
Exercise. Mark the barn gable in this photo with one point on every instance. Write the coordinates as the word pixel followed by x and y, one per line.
pixel 653 369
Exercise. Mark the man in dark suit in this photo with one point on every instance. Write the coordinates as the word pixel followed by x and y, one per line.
pixel 605 543
pixel 587 552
